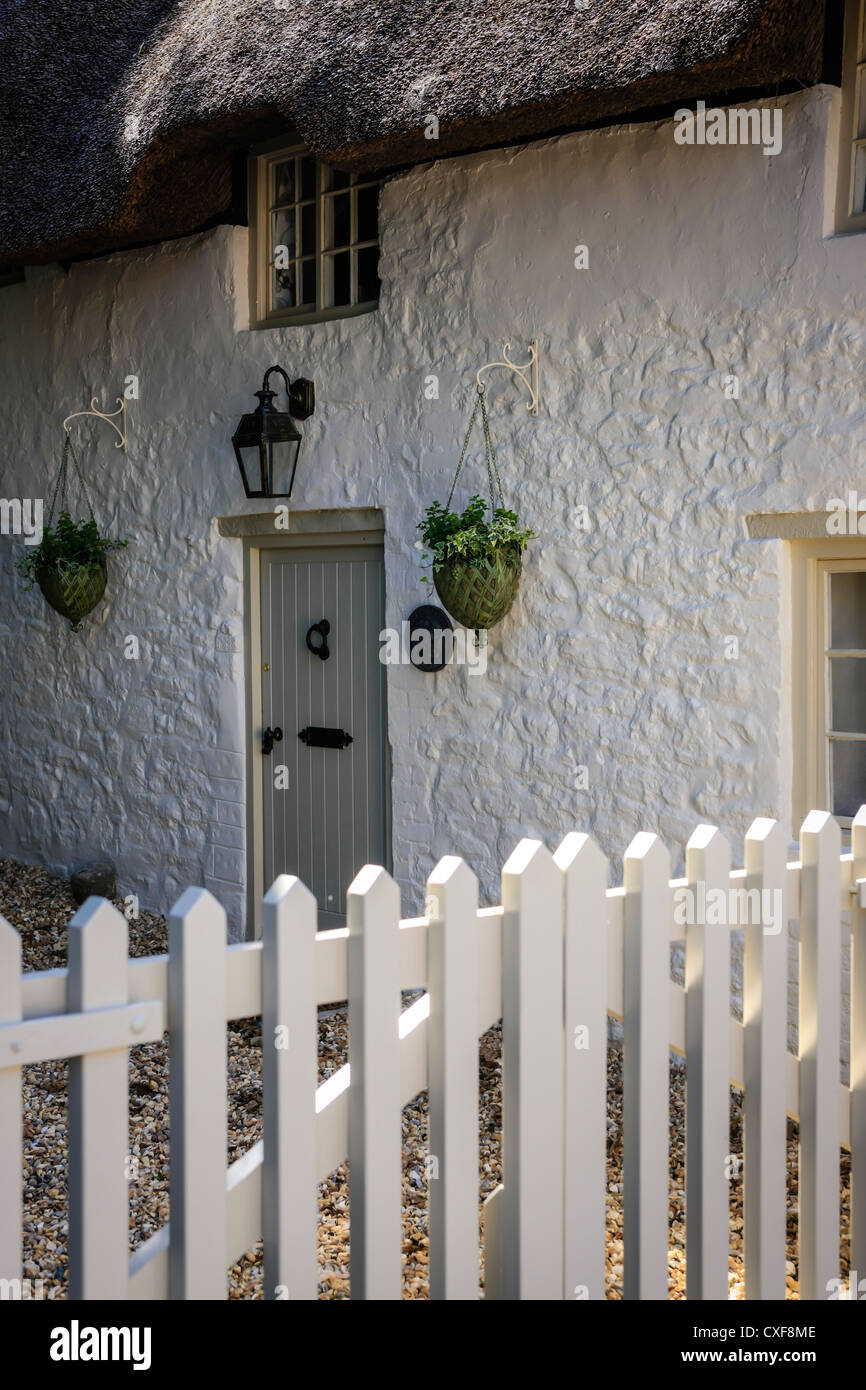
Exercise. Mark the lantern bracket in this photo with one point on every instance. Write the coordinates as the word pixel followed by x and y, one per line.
pixel 108 416
pixel 301 394
pixel 527 371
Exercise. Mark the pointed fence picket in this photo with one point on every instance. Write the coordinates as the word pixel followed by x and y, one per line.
pixel 858 1044
pixel 820 978
pixel 98 1111
pixel 11 1125
pixel 765 980
pixel 533 1075
pixel 289 1064
pixel 198 1098
pixel 646 930
pixel 561 952
pixel 708 973
pixel 373 912
pixel 584 883
pixel 452 1032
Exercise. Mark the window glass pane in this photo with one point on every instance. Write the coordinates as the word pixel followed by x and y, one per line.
pixel 308 282
pixel 284 182
pixel 334 178
pixel 848 610
pixel 337 220
pixel 848 770
pixel 308 229
pixel 848 694
pixel 308 177
pixel 338 271
pixel 368 275
pixel 283 244
pixel 284 287
pixel 858 202
pixel 368 213
pixel 323 252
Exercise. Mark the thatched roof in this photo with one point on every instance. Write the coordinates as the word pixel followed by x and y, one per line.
pixel 119 119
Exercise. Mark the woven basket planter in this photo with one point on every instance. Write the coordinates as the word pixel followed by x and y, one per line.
pixel 479 592
pixel 73 593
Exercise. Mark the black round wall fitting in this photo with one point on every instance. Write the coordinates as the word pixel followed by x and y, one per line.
pixel 319 649
pixel 429 618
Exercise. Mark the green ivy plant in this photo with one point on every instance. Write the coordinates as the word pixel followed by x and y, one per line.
pixel 72 545
pixel 469 535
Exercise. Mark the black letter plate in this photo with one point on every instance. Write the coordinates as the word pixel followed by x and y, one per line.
pixel 315 737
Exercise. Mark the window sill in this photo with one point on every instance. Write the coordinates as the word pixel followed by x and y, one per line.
pixel 292 320
pixel 840 233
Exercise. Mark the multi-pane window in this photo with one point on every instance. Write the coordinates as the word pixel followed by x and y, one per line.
pixel 844 732
pixel 851 194
pixel 316 240
pixel 827 598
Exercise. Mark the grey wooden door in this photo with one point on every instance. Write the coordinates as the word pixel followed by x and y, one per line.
pixel 325 815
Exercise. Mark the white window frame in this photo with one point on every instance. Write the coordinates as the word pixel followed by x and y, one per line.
pixel 812 564
pixel 263 314
pixel 853 101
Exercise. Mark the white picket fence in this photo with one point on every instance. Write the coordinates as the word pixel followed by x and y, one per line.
pixel 560 951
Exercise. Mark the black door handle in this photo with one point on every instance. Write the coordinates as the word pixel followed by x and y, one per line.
pixel 269 738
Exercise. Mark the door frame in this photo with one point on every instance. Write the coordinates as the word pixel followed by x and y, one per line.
pixel 320 529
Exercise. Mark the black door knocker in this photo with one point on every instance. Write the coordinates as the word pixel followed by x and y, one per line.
pixel 320 649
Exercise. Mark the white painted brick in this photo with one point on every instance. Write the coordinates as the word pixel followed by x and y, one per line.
pixel 231 812
pixel 228 865
pixel 231 836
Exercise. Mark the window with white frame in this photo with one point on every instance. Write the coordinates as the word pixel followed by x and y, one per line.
pixel 830 665
pixel 314 239
pixel 851 186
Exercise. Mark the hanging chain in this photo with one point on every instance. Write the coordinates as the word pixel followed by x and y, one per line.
pixel 61 484
pixel 492 470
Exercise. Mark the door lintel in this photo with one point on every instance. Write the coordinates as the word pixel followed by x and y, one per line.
pixel 319 522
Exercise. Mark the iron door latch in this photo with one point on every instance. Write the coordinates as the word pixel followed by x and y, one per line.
pixel 269 738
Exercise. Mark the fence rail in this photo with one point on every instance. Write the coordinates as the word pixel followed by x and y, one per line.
pixel 561 952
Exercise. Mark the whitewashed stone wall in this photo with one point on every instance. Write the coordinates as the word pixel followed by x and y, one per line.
pixel 702 262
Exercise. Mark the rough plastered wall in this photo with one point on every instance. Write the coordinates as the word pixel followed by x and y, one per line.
pixel 703 262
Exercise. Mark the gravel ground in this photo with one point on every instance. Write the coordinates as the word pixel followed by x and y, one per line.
pixel 40 906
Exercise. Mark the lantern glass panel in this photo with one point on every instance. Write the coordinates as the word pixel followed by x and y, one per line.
pixel 249 457
pixel 283 455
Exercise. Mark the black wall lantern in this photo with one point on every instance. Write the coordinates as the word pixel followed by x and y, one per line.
pixel 267 442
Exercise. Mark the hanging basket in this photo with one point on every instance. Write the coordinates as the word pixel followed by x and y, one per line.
pixel 73 593
pixel 479 592
pixel 69 562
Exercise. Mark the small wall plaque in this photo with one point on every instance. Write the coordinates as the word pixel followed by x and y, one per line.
pixel 226 640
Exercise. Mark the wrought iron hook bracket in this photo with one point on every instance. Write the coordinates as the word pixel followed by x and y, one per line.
pixel 527 371
pixel 108 416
